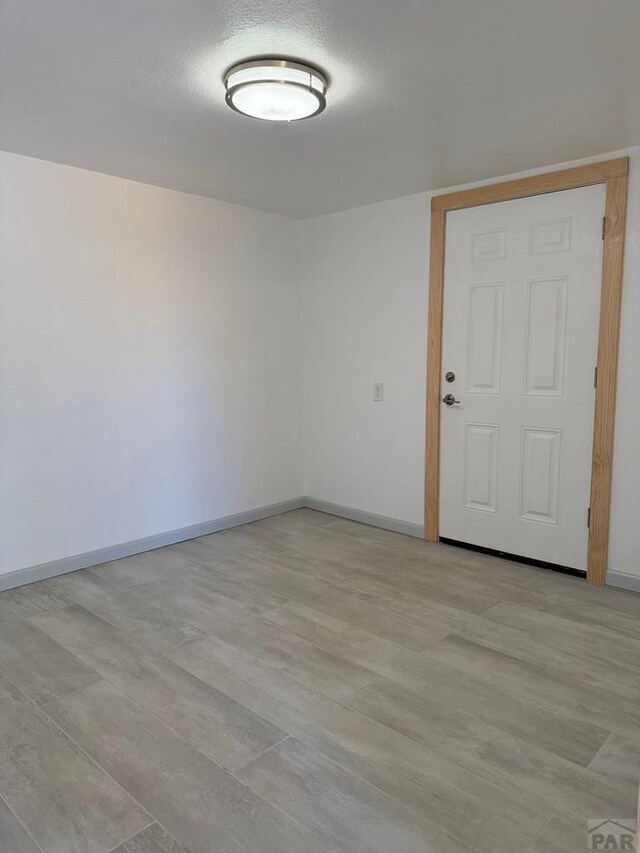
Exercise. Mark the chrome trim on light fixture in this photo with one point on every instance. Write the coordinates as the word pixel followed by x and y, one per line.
pixel 318 93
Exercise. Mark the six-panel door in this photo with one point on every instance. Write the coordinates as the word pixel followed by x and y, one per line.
pixel 520 332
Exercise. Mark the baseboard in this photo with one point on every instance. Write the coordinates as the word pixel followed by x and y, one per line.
pixel 620 580
pixel 363 517
pixel 623 580
pixel 138 546
pixel 43 571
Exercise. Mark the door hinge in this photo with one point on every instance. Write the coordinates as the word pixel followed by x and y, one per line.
pixel 604 226
pixel 589 517
pixel 595 377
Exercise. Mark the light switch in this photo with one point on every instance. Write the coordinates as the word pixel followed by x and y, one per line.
pixel 378 392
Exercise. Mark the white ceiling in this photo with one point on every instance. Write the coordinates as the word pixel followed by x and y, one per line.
pixel 423 94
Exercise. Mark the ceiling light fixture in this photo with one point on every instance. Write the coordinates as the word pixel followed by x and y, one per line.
pixel 275 90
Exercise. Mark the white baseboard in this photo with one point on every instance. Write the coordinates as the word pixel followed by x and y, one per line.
pixel 363 517
pixel 620 580
pixel 623 580
pixel 138 546
pixel 128 549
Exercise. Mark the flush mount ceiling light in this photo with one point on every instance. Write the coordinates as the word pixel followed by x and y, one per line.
pixel 275 90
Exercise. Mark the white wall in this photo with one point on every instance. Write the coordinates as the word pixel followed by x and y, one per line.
pixel 365 309
pixel 365 292
pixel 149 374
pixel 153 347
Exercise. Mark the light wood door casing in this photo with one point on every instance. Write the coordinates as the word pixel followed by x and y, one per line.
pixel 613 173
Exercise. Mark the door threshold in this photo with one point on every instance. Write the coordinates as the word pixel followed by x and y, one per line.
pixel 515 558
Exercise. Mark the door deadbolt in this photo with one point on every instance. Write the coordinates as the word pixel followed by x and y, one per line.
pixel 450 376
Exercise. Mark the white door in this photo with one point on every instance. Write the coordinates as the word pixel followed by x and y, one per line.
pixel 520 334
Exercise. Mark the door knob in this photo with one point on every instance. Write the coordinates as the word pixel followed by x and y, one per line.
pixel 449 400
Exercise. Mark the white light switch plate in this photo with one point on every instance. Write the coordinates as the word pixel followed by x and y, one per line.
pixel 378 392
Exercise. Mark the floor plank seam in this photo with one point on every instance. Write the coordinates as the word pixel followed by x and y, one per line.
pixel 346 699
pixel 591 628
pixel 273 746
pixel 97 764
pixel 153 818
pixel 21 824
pixel 72 740
pixel 538 834
pixel 146 710
pixel 151 823
pixel 142 600
pixel 28 620
pixel 367 783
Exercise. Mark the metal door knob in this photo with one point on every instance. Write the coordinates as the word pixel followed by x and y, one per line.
pixel 449 400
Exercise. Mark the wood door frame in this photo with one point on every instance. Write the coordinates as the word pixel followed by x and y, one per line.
pixel 613 173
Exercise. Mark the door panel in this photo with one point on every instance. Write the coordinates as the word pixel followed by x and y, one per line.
pixel 540 475
pixel 546 335
pixel 484 344
pixel 481 474
pixel 520 330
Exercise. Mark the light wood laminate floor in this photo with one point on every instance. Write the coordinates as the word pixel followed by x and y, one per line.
pixel 306 684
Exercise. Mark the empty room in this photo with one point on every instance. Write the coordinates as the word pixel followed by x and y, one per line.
pixel 319 426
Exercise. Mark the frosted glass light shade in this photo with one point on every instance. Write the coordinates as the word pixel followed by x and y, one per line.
pixel 275 90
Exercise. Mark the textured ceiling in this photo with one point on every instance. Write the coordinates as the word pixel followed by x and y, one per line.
pixel 423 94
